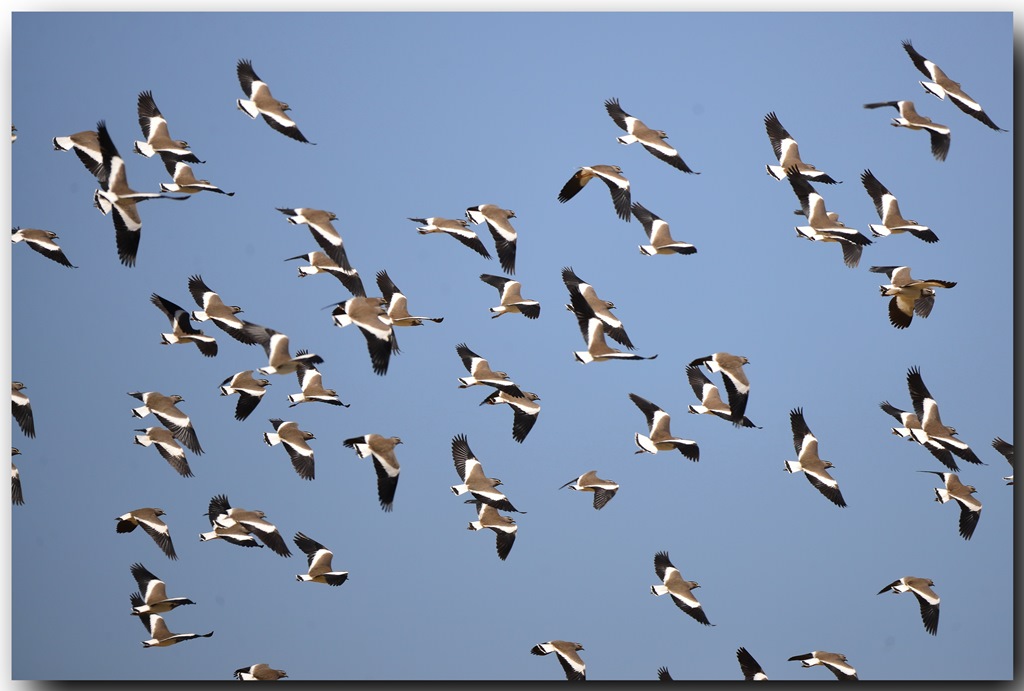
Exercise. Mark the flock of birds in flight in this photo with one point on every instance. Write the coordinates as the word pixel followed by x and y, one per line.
pixel 378 317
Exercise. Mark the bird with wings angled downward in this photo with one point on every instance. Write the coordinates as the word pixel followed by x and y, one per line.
pixel 385 463
pixel 610 175
pixel 940 135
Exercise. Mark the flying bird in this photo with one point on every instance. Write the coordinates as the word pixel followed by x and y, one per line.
pixel 510 297
pixel 481 373
pixel 117 196
pixel 319 559
pixel 370 315
pixel 168 447
pixel 592 327
pixel 160 635
pixel 231 532
pixel 223 515
pixel 398 304
pixel 926 597
pixel 235 534
pixel 833 662
pixel 909 118
pixel 319 263
pixel 504 527
pixel 212 308
pixel 888 210
pixel 673 584
pixel 149 519
pixel 664 675
pixel 658 234
pixel 823 226
pixel 21 408
pixel 185 180
pixel 566 652
pixel 525 410
pixel 505 236
pixel 41 241
pixel 277 347
pixel 1006 449
pixel 158 138
pixel 250 391
pixel 611 176
pixel 737 386
pixel 650 139
pixel 259 101
pixel 598 349
pixel 711 402
pixel 474 481
pixel 165 410
pixel 749 666
pixel 912 431
pixel 788 153
pixel 927 410
pixel 295 443
pixel 326 235
pixel 385 462
pixel 970 508
pixel 313 391
pixel 603 490
pixel 17 497
pixel 909 296
pixel 813 467
pixel 601 309
pixel 941 86
pixel 456 227
pixel 153 592
pixel 182 330
pixel 86 146
pixel 661 438
pixel 259 672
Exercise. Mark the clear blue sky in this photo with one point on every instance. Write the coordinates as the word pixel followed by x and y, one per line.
pixel 419 115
